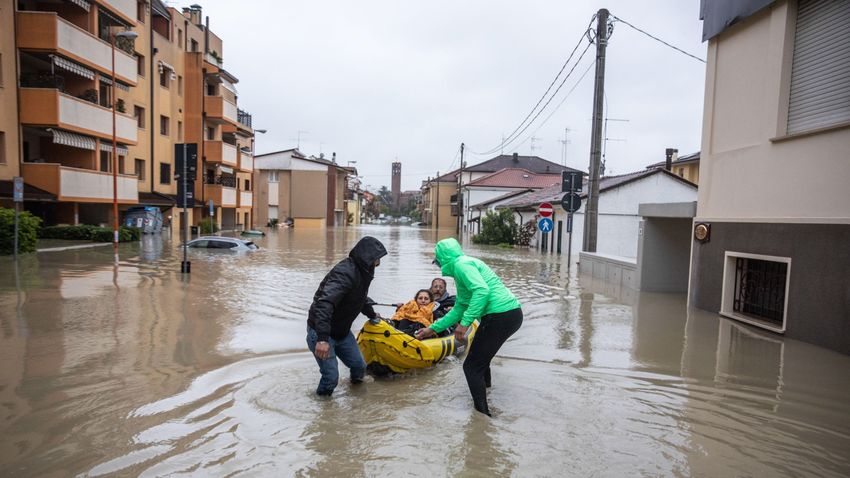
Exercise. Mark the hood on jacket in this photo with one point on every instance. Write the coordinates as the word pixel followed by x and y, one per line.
pixel 366 252
pixel 447 252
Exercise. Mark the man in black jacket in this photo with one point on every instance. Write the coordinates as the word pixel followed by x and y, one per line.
pixel 440 295
pixel 341 297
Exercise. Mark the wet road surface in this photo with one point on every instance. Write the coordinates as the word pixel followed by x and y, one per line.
pixel 131 370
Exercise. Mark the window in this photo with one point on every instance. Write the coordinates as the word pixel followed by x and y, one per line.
pixel 2 147
pixel 180 38
pixel 140 64
pixel 105 95
pixel 210 133
pixel 140 169
pixel 164 77
pixel 820 68
pixel 247 185
pixel 120 164
pixel 139 113
pixel 164 173
pixel 681 172
pixel 105 163
pixel 163 125
pixel 273 178
pixel 140 12
pixel 1 70
pixel 194 46
pixel 179 85
pixel 179 130
pixel 210 90
pixel 755 289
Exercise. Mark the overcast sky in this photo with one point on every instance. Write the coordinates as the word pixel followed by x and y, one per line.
pixel 378 80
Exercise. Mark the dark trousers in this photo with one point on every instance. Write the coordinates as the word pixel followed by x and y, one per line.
pixel 492 332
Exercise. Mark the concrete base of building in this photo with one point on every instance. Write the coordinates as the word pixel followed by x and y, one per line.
pixel 817 285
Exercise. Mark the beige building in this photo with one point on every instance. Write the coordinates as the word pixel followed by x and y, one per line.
pixel 773 223
pixel 309 190
pixel 170 88
pixel 435 206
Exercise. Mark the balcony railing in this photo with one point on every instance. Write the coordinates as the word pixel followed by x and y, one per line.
pixel 80 185
pixel 50 107
pixel 246 199
pixel 125 8
pixel 220 195
pixel 221 152
pixel 243 117
pixel 217 108
pixel 246 162
pixel 46 31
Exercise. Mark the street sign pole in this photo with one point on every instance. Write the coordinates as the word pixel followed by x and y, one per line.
pixel 569 240
pixel 18 197
pixel 185 266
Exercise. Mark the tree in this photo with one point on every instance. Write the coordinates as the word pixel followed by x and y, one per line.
pixel 497 228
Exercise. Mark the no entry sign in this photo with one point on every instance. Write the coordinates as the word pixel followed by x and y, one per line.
pixel 545 209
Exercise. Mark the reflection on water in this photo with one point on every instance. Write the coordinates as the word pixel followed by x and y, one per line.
pixel 135 370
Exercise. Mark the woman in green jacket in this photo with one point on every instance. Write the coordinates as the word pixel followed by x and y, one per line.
pixel 480 296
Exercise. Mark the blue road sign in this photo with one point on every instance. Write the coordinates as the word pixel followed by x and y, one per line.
pixel 545 225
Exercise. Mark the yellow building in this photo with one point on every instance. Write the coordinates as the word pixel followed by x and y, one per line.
pixel 170 88
pixel 436 203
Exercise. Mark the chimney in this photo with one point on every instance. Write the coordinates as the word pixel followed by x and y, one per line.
pixel 194 14
pixel 672 154
pixel 333 157
pixel 516 157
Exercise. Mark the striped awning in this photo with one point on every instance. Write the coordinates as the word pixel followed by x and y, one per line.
pixel 72 67
pixel 72 139
pixel 108 81
pixel 82 4
pixel 225 169
pixel 122 150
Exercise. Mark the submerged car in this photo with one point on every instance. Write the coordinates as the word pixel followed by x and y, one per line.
pixel 222 243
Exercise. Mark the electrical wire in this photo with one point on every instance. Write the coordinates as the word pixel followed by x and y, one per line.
pixel 564 99
pixel 551 97
pixel 617 19
pixel 510 137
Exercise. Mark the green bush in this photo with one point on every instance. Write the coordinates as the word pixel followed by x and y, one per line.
pixel 497 228
pixel 85 232
pixel 28 226
pixel 208 226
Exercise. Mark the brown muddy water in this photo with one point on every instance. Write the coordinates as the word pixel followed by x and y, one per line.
pixel 132 370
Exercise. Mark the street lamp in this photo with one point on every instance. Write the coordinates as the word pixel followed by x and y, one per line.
pixel 129 35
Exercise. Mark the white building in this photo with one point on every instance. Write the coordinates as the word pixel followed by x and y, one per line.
pixel 619 218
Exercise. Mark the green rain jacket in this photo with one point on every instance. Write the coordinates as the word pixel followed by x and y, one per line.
pixel 479 291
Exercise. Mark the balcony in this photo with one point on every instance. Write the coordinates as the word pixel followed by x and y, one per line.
pixel 46 31
pixel 222 196
pixel 217 109
pixel 126 9
pixel 49 107
pixel 221 152
pixel 80 185
pixel 246 199
pixel 246 162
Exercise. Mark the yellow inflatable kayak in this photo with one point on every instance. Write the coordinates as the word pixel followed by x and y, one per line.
pixel 386 349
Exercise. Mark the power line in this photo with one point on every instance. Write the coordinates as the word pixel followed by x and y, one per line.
pixel 510 138
pixel 617 19
pixel 564 99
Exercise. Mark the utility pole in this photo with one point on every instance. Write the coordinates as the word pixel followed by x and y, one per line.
pixel 591 217
pixel 532 147
pixel 565 142
pixel 460 195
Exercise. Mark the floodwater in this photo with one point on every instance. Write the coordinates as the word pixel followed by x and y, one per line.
pixel 132 370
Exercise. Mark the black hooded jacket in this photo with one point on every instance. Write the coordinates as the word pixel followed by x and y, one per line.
pixel 342 295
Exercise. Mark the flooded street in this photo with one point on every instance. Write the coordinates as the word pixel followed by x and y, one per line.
pixel 134 370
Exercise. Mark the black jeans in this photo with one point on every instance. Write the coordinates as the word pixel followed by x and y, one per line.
pixel 492 332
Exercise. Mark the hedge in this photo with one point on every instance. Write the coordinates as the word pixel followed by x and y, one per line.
pixel 208 226
pixel 28 227
pixel 85 232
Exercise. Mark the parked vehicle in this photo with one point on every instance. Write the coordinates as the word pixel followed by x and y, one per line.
pixel 146 218
pixel 222 243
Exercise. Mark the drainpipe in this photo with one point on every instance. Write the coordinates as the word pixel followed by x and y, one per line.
pixel 152 105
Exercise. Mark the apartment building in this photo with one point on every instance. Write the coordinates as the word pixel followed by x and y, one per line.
pixel 309 190
pixel 772 228
pixel 170 87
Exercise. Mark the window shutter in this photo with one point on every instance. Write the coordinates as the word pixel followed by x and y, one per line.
pixel 820 71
